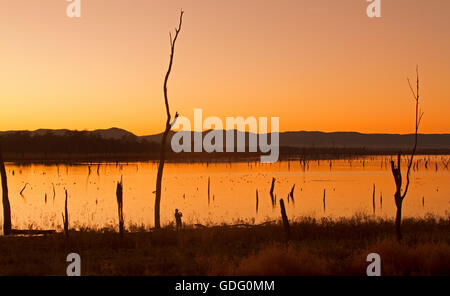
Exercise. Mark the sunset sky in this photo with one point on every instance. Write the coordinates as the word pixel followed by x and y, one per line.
pixel 317 64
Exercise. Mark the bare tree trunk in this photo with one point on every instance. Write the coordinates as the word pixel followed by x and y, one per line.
pixel 162 158
pixel 6 205
pixel 398 221
pixel 396 168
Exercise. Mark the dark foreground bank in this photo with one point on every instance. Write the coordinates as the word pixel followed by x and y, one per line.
pixel 316 247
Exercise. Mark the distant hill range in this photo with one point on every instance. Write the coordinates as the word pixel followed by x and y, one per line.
pixel 314 139
pixel 294 139
pixel 111 133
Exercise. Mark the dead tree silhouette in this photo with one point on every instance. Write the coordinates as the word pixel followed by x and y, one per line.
pixel 168 127
pixel 5 199
pixel 396 168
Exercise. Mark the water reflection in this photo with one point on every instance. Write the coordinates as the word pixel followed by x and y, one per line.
pixel 337 188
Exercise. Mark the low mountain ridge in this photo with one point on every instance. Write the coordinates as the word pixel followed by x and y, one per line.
pixel 296 139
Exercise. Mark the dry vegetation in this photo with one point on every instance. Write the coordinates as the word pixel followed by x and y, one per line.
pixel 317 247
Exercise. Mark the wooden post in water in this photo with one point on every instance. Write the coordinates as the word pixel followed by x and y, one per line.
pixel 285 219
pixel 5 198
pixel 65 217
pixel 373 199
pixel 209 190
pixel 272 187
pixel 54 192
pixel 119 195
pixel 271 192
pixel 257 201
pixel 324 201
pixel 291 194
pixel 381 200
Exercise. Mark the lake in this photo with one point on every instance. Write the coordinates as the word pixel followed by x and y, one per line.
pixel 348 186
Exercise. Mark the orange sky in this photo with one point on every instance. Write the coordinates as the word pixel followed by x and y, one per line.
pixel 317 64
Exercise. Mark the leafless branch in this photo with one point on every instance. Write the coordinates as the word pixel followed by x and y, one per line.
pixel 419 116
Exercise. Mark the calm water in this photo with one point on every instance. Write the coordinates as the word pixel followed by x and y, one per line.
pixel 92 201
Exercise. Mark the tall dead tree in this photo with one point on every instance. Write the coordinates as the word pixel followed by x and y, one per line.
pixel 396 168
pixel 5 199
pixel 162 157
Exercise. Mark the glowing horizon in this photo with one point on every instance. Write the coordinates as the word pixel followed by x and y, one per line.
pixel 318 65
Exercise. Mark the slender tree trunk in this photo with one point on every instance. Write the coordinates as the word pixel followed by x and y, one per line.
pixel 396 168
pixel 162 158
pixel 5 199
pixel 398 220
pixel 159 180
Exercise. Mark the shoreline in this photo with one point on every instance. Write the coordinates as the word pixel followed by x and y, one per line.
pixel 181 158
